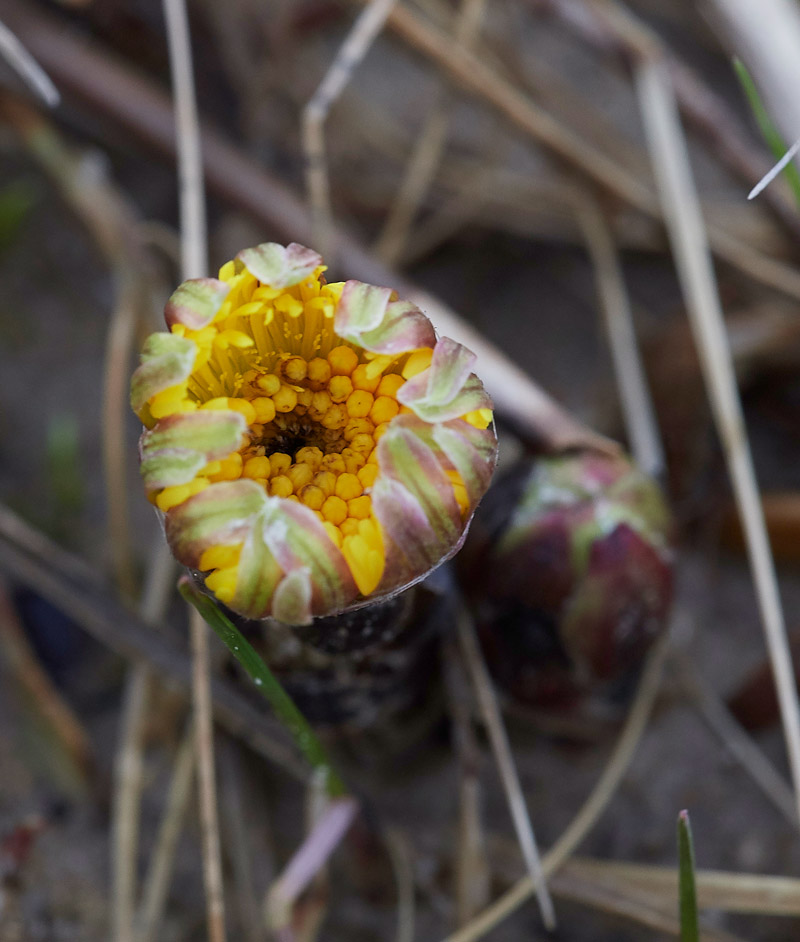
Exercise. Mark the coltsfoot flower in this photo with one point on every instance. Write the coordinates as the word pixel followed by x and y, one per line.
pixel 313 446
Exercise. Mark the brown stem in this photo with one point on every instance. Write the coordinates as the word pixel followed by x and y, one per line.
pixel 30 558
pixel 701 107
pixel 116 93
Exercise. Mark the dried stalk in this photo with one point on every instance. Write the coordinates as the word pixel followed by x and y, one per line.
pixel 162 861
pixel 427 152
pixel 112 224
pixel 128 785
pixel 735 739
pixel 67 582
pixel 22 668
pixel 204 748
pixel 28 69
pixel 766 36
pixel 648 894
pixel 472 872
pixel 756 894
pixel 538 124
pixel 194 239
pixel 400 855
pixel 634 394
pixel 619 900
pixel 617 32
pixel 591 809
pixel 129 760
pixel 504 758
pixel 235 834
pixel 194 264
pixel 116 93
pixel 693 259
pixel 478 78
pixel 365 30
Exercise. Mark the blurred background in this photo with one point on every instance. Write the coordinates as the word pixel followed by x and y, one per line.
pixel 503 157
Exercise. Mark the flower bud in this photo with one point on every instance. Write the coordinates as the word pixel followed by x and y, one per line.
pixel 313 446
pixel 570 567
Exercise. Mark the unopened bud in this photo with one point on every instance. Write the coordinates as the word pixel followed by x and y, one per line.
pixel 569 565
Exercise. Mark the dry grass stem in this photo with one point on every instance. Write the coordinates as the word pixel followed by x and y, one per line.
pixel 634 394
pixel 157 880
pixel 28 69
pixel 112 224
pixel 735 739
pixel 310 914
pixel 473 874
pixel 194 240
pixel 619 900
pixel 501 748
pixel 129 277
pixel 647 894
pixel 765 181
pixel 119 345
pixel 22 668
pixel 472 871
pixel 129 760
pixel 420 171
pixel 538 124
pixel 237 823
pixel 617 31
pixel 194 264
pixel 365 30
pixel 126 805
pixel 687 234
pixel 522 403
pixel 755 894
pixel 206 778
pixel 766 36
pixel 401 858
pixel 470 71
pixel 122 96
pixel 591 809
pixel 617 764
pixel 427 152
pixel 36 562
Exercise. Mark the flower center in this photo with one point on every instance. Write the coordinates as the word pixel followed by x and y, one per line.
pixel 313 428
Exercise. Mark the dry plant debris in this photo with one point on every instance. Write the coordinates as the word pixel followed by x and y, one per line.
pixel 570 177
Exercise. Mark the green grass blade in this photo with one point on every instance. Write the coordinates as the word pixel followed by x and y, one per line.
pixel 769 132
pixel 280 701
pixel 690 931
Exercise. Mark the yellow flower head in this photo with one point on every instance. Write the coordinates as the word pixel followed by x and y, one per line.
pixel 312 445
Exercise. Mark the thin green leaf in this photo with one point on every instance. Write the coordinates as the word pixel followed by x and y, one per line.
pixel 690 931
pixel 769 132
pixel 267 683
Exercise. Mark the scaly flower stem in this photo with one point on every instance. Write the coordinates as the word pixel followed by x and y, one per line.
pixel 284 707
